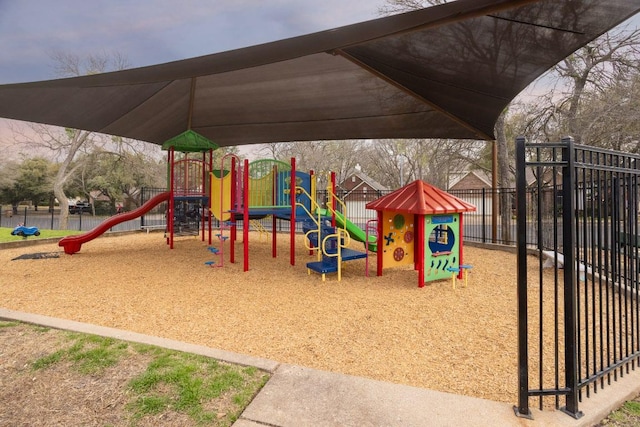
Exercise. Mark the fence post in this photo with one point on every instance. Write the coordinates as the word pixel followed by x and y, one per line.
pixel 615 225
pixel 494 194
pixel 522 410
pixel 142 200
pixel 484 213
pixel 569 277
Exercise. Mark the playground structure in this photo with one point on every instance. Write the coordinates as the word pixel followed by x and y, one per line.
pixel 244 192
pixel 187 195
pixel 420 224
pixel 330 234
pixel 417 224
pixel 240 193
pixel 188 185
pixel 73 244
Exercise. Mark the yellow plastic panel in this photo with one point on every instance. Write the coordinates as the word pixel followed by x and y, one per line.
pixel 397 240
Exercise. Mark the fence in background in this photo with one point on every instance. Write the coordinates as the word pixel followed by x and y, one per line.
pixel 49 220
pixel 477 225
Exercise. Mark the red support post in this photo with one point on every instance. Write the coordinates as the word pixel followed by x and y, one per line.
pixel 203 193
pixel 170 214
pixel 460 245
pixel 237 183
pixel 312 176
pixel 209 216
pixel 380 245
pixel 274 202
pixel 333 199
pixel 233 205
pixel 245 219
pixel 292 223
pixel 274 247
pixel 418 249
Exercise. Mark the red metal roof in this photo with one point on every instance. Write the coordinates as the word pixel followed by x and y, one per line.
pixel 421 198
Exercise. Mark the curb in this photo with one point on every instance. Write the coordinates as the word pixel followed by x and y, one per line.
pixel 71 325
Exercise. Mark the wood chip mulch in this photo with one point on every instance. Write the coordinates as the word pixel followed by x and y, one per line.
pixel 460 340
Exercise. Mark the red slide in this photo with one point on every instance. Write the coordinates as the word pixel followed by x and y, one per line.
pixel 72 244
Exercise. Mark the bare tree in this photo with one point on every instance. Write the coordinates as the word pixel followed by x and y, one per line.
pixel 67 64
pixel 611 117
pixel 393 7
pixel 66 144
pixel 590 94
pixel 600 65
pixel 272 150
pixel 395 162
pixel 322 157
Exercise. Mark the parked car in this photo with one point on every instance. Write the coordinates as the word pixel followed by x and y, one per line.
pixel 80 207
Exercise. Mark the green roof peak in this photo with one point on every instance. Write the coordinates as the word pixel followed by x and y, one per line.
pixel 189 142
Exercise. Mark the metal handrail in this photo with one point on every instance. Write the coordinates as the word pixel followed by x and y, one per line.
pixel 339 247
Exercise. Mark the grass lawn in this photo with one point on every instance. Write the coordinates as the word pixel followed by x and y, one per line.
pixel 5 234
pixel 66 378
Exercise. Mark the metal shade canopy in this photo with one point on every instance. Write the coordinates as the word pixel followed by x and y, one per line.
pixel 443 72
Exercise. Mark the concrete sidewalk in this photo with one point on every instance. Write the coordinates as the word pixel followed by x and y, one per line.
pixel 299 396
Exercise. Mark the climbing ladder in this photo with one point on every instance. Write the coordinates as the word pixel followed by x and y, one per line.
pixel 224 225
pixel 331 243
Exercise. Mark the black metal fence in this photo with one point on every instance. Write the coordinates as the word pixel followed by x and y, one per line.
pixel 46 219
pixel 579 319
pixel 479 226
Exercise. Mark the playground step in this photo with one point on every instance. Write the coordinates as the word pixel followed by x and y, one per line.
pixel 326 229
pixel 350 254
pixel 323 267
pixel 313 237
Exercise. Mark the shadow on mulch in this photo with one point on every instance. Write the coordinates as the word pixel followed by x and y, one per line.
pixel 38 255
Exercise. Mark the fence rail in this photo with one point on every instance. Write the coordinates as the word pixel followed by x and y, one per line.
pixel 49 220
pixel 478 226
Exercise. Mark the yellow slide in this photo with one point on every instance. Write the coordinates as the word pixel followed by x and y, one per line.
pixel 220 207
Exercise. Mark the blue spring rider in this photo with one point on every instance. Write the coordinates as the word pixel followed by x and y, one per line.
pixel 25 232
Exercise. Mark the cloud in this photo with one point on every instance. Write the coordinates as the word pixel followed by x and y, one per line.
pixel 154 31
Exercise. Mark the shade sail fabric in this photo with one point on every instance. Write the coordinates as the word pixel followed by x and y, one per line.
pixel 443 72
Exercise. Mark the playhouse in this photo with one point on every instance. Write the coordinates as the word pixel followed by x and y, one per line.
pixel 420 224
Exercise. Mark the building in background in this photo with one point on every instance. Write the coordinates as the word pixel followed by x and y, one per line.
pixel 356 191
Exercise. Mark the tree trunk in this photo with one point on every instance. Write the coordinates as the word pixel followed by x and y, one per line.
pixel 574 128
pixel 64 205
pixel 503 179
pixel 77 138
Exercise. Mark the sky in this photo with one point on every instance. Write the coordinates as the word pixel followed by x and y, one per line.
pixel 148 32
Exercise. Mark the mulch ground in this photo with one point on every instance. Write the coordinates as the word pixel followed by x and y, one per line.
pixel 460 340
